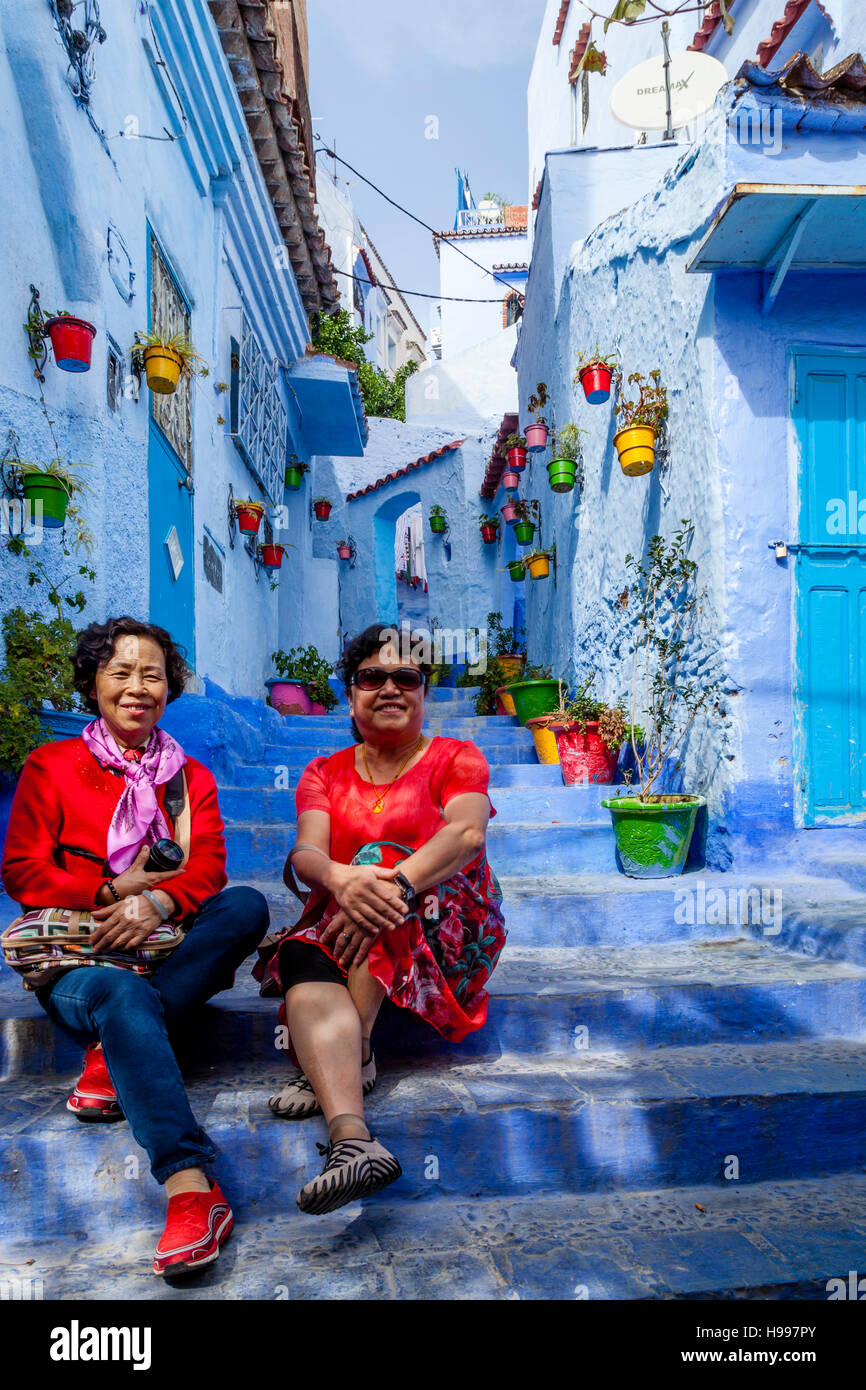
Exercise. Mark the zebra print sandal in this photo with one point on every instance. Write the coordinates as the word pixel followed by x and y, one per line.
pixel 354 1168
pixel 297 1100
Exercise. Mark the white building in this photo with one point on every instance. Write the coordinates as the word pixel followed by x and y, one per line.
pixel 483 262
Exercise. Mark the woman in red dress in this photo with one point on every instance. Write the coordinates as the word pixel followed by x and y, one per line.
pixel 391 839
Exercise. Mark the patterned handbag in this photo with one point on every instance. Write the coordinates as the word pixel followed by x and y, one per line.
pixel 48 939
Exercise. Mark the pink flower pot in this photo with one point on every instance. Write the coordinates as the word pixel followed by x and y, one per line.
pixel 289 698
pixel 508 513
pixel 344 552
pixel 536 438
pixel 583 756
pixel 317 708
pixel 510 480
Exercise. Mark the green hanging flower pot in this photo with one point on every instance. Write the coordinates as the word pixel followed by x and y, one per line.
pixel 561 474
pixel 524 532
pixel 49 490
pixel 515 569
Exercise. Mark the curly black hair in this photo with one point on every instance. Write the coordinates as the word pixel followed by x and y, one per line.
pixel 96 645
pixel 368 643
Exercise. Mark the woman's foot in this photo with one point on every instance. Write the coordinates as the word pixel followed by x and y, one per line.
pixel 196 1225
pixel 354 1168
pixel 297 1100
pixel 94 1099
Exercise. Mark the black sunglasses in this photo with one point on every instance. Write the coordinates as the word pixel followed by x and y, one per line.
pixel 373 678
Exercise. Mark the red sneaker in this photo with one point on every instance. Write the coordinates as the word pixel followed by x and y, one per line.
pixel 94 1097
pixel 196 1226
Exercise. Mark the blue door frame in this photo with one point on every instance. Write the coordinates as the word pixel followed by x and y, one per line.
pixel 830 603
pixel 170 524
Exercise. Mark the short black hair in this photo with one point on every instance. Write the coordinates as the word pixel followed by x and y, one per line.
pixel 369 643
pixel 96 646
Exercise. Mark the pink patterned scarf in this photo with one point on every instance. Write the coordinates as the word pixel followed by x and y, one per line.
pixel 137 818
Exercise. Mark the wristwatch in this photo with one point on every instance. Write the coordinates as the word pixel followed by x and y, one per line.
pixel 408 889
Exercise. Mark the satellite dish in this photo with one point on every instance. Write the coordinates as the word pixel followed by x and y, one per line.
pixel 639 99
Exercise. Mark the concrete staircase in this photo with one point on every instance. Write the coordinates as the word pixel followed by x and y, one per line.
pixel 668 1099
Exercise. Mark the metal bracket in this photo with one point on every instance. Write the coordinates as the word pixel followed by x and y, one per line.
pixel 783 254
pixel 233 521
pixel 35 330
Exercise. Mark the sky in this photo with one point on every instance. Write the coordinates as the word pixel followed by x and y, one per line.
pixel 380 70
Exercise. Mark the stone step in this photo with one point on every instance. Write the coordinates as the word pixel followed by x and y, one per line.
pixel 764 1240
pixel 297 755
pixel 264 777
pixel 598 1122
pixel 546 804
pixel 446 724
pixel 544 1002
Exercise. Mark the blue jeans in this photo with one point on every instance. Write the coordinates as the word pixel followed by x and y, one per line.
pixel 131 1015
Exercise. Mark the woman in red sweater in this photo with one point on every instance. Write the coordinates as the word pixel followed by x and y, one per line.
pixel 85 815
pixel 391 838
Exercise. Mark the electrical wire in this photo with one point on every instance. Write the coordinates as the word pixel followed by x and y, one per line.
pixel 420 294
pixel 332 154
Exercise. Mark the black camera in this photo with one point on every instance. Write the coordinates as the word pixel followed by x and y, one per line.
pixel 165 858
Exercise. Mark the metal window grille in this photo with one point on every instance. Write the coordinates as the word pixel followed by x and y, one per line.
pixel 114 376
pixel 169 315
pixel 260 425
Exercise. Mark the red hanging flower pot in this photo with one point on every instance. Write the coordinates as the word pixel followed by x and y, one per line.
pixel 489 534
pixel 322 510
pixel 595 379
pixel 516 459
pixel 249 515
pixel 272 556
pixel 72 342
pixel 344 552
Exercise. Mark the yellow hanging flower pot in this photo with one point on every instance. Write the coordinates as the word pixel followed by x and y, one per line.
pixel 636 446
pixel 162 367
pixel 539 566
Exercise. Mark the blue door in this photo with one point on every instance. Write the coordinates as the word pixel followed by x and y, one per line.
pixel 830 675
pixel 170 474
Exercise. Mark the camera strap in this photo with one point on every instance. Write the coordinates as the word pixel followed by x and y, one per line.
pixel 177 806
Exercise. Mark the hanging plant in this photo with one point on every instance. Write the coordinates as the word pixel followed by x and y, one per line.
pixel 536 434
pixel 167 358
pixel 322 508
pixel 295 471
pixel 438 519
pixel 272 556
pixel 566 466
pixel 345 548
pixel 538 563
pixel 640 421
pixel 489 527
pixel 71 341
pixel 595 371
pixel 517 570
pixel 525 520
pixel 249 516
pixel 515 452
pixel 55 486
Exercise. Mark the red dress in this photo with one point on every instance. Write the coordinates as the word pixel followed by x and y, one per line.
pixel 438 960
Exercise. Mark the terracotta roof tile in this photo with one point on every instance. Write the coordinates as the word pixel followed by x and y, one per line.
pixel 579 49
pixel 794 10
pixel 537 194
pixel 516 217
pixel 496 467
pixel 401 472
pixel 513 265
pixel 560 22
pixel 847 80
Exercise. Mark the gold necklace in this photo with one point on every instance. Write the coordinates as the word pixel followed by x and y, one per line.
pixel 379 803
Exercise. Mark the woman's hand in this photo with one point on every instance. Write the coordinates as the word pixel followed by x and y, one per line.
pixel 134 880
pixel 348 940
pixel 125 925
pixel 367 894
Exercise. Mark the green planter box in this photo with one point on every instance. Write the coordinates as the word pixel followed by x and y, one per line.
pixel 653 838
pixel 532 698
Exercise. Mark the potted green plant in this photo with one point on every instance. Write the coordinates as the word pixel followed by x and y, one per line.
pixel 249 515
pixel 166 357
pixel 589 734
pixel 295 471
pixel 272 555
pixel 595 370
pixel 536 434
pixel 55 486
pixel 506 644
pixel 654 829
pixel 515 452
pixel 301 685
pixel 489 527
pixel 492 681
pixel 536 692
pixel 525 520
pixel 562 470
pixel 322 508
pixel 538 563
pixel 438 519
pixel 640 421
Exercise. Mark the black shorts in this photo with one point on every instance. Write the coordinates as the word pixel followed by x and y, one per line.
pixel 301 962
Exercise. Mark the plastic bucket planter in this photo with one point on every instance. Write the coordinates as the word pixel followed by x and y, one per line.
pixel 561 473
pixel 489 534
pixel 516 460
pixel 162 367
pixel 523 532
pixel 289 697
pixel 516 570
pixel 71 341
pixel 595 380
pixel 536 438
pixel 512 665
pixel 508 513
pixel 652 838
pixel 345 553
pixel 636 446
pixel 510 480
pixel 45 488
pixel 293 478
pixel 544 739
pixel 532 698
pixel 539 566
pixel 583 756
pixel 437 523
pixel 505 701
pixel 249 517
pixel 322 510
pixel 272 556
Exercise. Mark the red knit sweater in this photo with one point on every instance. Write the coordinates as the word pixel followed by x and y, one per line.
pixel 65 797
